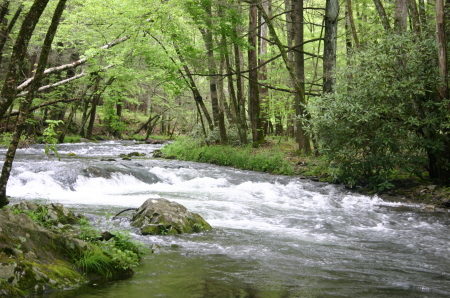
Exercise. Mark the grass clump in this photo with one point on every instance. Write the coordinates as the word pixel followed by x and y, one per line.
pixel 117 256
pixel 262 159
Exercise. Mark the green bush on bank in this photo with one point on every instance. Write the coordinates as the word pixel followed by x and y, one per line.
pixel 269 160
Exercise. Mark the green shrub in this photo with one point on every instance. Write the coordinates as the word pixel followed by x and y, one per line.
pixel 383 115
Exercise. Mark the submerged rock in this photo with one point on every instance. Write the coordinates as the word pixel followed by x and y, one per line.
pixel 163 217
pixel 155 142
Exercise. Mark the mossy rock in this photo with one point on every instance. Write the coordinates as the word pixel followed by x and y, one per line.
pixel 31 257
pixel 163 217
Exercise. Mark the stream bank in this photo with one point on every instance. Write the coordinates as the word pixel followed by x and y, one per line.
pixel 45 248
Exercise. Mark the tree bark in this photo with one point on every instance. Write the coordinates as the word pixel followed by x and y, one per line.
pixel 414 14
pixel 7 30
pixel 25 105
pixel 401 16
pixel 18 56
pixel 254 102
pixel 442 49
pixel 94 104
pixel 264 91
pixel 352 22
pixel 191 83
pixel 302 137
pixel 382 13
pixel 218 115
pixel 330 45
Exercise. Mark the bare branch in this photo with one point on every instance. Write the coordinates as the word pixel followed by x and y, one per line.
pixel 61 82
pixel 70 65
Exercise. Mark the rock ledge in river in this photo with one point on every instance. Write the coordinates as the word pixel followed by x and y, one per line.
pixel 163 217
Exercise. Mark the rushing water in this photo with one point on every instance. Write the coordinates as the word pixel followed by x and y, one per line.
pixel 273 236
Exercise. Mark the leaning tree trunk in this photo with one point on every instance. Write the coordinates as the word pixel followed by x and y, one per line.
pixel 7 30
pixel 26 103
pixel 382 13
pixel 18 55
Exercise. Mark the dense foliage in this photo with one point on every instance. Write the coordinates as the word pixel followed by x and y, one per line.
pixel 383 115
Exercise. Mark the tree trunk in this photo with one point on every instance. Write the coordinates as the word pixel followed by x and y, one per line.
pixel 253 86
pixel 330 45
pixel 382 13
pixel 299 66
pixel 191 83
pixel 304 144
pixel 351 22
pixel 94 104
pixel 240 85
pixel 234 101
pixel 414 14
pixel 26 103
pixel 442 49
pixel 264 91
pixel 218 116
pixel 401 16
pixel 18 56
pixel 7 30
pixel 288 7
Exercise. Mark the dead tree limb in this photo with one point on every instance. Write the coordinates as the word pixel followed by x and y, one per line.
pixel 128 209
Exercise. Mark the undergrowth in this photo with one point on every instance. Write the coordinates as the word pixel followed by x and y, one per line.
pixel 263 159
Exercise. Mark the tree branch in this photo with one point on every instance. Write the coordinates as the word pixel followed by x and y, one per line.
pixel 61 82
pixel 42 105
pixel 70 65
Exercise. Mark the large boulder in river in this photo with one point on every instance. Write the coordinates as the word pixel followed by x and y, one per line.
pixel 163 217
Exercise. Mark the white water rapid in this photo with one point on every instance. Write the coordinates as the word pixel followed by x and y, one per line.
pixel 273 236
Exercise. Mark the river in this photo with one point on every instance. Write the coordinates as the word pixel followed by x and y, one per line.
pixel 273 236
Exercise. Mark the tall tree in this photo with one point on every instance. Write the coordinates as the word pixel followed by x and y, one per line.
pixel 26 103
pixel 253 86
pixel 382 13
pixel 442 49
pixel 19 52
pixel 401 16
pixel 330 44
pixel 264 91
pixel 299 65
pixel 218 114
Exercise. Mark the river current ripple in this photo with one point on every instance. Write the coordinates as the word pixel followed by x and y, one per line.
pixel 273 236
